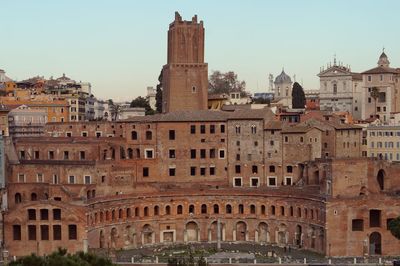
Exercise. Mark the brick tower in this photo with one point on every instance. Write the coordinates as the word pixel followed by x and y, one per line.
pixel 185 76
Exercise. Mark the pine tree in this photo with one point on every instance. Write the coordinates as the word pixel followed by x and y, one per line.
pixel 298 96
pixel 159 98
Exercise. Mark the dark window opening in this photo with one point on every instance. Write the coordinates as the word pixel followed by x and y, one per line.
pixel 357 225
pixel 56 232
pixel 374 218
pixel 31 214
pixel 16 232
pixel 228 209
pixel 72 232
pixel 171 134
pixel 44 232
pixel 241 209
pixel 31 232
pixel 44 214
pixel 56 214
pixel 203 209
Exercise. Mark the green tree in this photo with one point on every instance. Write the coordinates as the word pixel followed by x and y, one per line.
pixel 375 96
pixel 159 92
pixel 298 96
pixel 219 82
pixel 143 103
pixel 61 258
pixel 394 227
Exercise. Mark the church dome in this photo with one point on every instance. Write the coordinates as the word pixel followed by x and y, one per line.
pixel 283 78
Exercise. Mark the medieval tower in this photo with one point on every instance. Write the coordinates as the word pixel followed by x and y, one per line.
pixel 185 76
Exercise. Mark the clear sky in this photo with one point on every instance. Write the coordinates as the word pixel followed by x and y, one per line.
pixel 120 45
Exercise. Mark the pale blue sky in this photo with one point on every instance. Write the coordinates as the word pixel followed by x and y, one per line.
pixel 120 46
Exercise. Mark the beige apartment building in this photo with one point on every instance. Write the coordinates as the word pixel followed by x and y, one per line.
pixel 383 142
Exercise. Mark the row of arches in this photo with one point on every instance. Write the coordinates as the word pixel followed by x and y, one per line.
pixel 279 233
pixel 118 214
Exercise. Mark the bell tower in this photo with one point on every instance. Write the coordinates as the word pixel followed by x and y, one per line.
pixel 185 76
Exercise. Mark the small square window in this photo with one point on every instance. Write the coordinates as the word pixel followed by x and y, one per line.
pixel 171 171
pixel 237 182
pixel 254 181
pixel 272 181
pixel 202 171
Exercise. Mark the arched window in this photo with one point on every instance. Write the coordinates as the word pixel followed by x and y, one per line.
pixel 120 214
pixel 149 135
pixel 33 197
pixel 298 212
pixel 146 211
pixel 179 209
pixel 291 211
pixel 228 209
pixel 101 217
pixel 93 193
pixel 263 212
pixel 381 179
pixel 113 215
pixel 334 88
pixel 272 210
pixel 216 208
pixel 130 153
pixel 18 198
pixel 191 209
pixel 253 209
pixel 137 212
pixel 241 209
pixel 282 211
pixel 134 135
pixel 128 212
pixel 203 208
pixel 168 210
pixel 156 210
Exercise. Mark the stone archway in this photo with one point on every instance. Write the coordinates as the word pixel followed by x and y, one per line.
pixel 192 232
pixel 263 233
pixel 282 234
pixel 101 239
pixel 114 235
pixel 298 236
pixel 375 244
pixel 147 235
pixel 213 232
pixel 241 231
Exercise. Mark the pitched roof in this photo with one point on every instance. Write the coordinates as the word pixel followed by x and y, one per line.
pixel 381 70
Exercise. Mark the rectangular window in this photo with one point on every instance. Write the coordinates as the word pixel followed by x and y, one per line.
pixel 66 155
pixel 193 154
pixel 56 214
pixel 222 128
pixel 237 169
pixel 44 232
pixel 82 155
pixel 272 181
pixel 171 171
pixel 145 171
pixel 374 218
pixel 288 180
pixel 172 135
pixel 192 129
pixel 202 153
pixel 193 171
pixel 56 232
pixel 212 170
pixel 16 232
pixel 87 179
pixel 22 155
pixel 172 154
pixel 21 178
pixel 148 153
pixel 212 129
pixel 237 182
pixel 39 178
pixel 55 179
pixel 51 155
pixel 71 179
pixel 31 214
pixel 31 232
pixel 212 153
pixel 254 181
pixel 202 129
pixel 222 154
pixel 357 225
pixel 72 232
pixel 44 214
pixel 202 171
pixel 36 155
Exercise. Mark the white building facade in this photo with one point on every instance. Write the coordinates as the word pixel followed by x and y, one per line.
pixel 340 89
